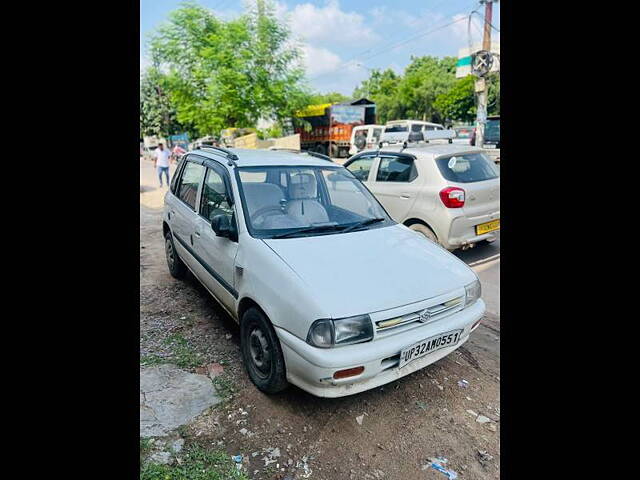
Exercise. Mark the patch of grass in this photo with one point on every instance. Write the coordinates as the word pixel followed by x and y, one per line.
pixel 197 464
pixel 149 360
pixel 224 386
pixel 145 446
pixel 182 354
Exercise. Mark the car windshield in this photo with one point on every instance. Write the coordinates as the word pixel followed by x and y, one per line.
pixel 492 131
pixel 286 201
pixel 467 168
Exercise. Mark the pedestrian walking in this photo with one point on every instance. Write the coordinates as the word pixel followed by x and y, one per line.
pixel 162 162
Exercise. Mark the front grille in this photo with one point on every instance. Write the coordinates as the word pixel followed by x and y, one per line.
pixel 424 316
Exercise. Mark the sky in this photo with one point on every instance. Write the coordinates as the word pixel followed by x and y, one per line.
pixel 342 40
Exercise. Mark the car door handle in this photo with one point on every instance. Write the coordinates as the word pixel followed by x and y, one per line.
pixel 405 196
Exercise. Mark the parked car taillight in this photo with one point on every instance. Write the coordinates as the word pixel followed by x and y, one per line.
pixel 452 197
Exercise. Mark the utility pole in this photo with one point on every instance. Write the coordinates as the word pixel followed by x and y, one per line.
pixel 481 86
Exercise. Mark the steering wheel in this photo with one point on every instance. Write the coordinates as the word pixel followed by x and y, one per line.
pixel 269 210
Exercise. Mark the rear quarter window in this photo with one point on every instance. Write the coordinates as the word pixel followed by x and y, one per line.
pixel 468 168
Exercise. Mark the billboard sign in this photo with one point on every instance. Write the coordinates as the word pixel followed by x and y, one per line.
pixel 347 114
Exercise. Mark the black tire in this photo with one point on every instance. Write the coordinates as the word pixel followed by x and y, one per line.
pixel 177 268
pixel 320 149
pixel 261 352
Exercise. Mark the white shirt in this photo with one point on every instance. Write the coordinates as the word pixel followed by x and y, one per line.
pixel 162 157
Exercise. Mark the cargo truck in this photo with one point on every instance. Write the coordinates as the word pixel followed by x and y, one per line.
pixel 332 124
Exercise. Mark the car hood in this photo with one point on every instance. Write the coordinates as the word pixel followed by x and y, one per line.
pixel 371 270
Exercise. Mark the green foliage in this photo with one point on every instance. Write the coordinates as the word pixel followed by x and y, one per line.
pixel 458 103
pixel 225 74
pixel 196 464
pixel 493 100
pixel 427 90
pixel 331 97
pixel 157 114
pixel 182 354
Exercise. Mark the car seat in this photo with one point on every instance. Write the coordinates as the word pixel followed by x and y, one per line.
pixel 303 203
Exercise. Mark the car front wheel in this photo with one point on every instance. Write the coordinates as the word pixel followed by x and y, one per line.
pixel 261 352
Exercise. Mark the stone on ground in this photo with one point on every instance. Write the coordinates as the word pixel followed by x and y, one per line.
pixel 171 397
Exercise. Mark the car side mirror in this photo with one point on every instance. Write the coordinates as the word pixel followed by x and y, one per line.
pixel 221 226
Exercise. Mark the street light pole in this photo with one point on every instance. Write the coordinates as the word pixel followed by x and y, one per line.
pixel 481 85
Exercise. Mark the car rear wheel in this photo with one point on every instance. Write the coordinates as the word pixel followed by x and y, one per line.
pixel 176 267
pixel 261 352
pixel 424 230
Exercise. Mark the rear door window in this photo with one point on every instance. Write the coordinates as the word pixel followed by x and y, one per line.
pixel 467 168
pixel 189 183
pixel 396 169
pixel 403 127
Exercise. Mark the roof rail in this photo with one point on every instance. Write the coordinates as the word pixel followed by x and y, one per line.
pixel 308 152
pixel 232 157
pixel 319 155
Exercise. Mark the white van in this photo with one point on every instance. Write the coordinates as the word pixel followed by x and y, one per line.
pixel 364 137
pixel 396 130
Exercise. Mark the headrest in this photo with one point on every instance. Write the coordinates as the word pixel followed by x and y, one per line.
pixel 260 195
pixel 303 186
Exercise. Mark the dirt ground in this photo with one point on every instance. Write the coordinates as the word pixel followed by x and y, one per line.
pixel 405 423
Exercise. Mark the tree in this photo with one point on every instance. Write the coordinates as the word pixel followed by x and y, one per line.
pixel 413 94
pixel 157 115
pixel 331 97
pixel 458 104
pixel 229 74
pixel 381 87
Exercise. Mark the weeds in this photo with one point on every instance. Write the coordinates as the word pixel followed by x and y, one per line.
pixel 196 464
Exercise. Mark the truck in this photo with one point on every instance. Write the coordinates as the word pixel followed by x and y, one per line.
pixel 332 124
pixel 491 138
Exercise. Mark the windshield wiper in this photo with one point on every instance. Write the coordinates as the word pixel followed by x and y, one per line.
pixel 318 228
pixel 364 223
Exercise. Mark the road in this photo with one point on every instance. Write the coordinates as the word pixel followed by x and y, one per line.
pixel 385 433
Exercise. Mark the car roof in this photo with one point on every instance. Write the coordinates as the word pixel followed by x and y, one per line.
pixel 260 158
pixel 427 149
pixel 421 122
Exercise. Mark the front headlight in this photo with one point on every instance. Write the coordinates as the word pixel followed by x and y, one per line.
pixel 473 292
pixel 326 333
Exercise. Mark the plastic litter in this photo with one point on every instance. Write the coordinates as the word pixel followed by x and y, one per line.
pixel 238 461
pixel 438 464
pixel 359 419
pixel 421 404
pixel 482 419
pixel 463 383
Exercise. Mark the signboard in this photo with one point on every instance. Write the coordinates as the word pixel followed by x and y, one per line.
pixel 347 114
pixel 183 137
pixel 463 67
pixel 313 110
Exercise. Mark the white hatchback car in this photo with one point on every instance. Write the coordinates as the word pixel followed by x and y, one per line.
pixel 449 193
pixel 330 293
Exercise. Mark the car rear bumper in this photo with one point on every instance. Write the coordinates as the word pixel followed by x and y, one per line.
pixel 312 368
pixel 463 230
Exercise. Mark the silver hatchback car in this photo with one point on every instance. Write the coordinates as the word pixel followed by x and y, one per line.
pixel 449 193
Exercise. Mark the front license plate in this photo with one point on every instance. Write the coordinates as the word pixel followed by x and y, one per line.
pixel 488 227
pixel 429 345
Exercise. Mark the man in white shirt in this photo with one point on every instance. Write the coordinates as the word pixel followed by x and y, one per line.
pixel 162 162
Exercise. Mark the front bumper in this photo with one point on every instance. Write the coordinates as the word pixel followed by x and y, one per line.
pixel 312 368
